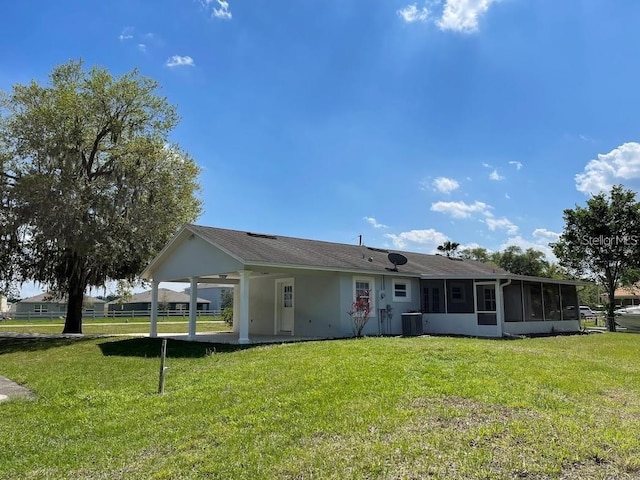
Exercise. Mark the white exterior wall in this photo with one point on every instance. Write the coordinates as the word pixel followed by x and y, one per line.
pixel 526 328
pixel 322 301
pixel 193 257
pixel 262 304
pixel 374 325
pixel 3 304
pixel 316 297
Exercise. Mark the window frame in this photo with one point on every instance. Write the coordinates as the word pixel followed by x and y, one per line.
pixel 407 283
pixel 372 292
pixel 461 286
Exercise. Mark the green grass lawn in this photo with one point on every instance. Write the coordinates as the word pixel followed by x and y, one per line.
pixel 119 328
pixel 89 320
pixel 429 407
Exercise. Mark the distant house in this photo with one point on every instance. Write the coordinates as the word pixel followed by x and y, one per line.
pixel 213 293
pixel 167 300
pixel 47 305
pixel 625 296
pixel 294 286
pixel 4 306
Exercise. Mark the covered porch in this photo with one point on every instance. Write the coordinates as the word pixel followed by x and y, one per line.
pixel 191 259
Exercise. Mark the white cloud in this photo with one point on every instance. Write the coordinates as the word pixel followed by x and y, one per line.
pixel 495 176
pixel 536 244
pixel 462 15
pixel 374 223
pixel 486 165
pixel 127 34
pixel 460 209
pixel 544 235
pixel 411 13
pixel 540 241
pixel 223 10
pixel 518 165
pixel 422 239
pixel 618 166
pixel 445 185
pixel 586 138
pixel 501 224
pixel 506 195
pixel 142 47
pixel 178 61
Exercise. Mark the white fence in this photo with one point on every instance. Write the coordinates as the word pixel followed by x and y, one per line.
pixel 111 314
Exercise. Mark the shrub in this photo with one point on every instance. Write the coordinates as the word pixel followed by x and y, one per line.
pixel 227 315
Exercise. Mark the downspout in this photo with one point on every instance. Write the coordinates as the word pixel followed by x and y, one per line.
pixel 502 309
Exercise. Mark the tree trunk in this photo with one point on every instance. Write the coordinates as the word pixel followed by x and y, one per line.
pixel 75 294
pixel 611 321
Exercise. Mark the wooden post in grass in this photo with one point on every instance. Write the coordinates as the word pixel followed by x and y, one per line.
pixel 163 369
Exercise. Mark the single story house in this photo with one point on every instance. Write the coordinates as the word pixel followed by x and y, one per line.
pixel 46 305
pixel 625 296
pixel 295 286
pixel 213 293
pixel 167 300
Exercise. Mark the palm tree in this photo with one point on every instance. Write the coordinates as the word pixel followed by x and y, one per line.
pixel 449 248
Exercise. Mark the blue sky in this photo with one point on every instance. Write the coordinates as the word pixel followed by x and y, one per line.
pixel 409 123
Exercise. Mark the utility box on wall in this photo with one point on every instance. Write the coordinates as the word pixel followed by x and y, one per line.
pixel 412 324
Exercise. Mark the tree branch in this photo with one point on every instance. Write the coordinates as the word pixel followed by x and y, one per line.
pixel 94 150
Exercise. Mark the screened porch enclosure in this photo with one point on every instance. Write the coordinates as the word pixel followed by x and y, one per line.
pixel 495 307
pixel 527 301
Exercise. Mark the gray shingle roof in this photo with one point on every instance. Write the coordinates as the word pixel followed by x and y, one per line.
pixel 277 250
pixel 47 298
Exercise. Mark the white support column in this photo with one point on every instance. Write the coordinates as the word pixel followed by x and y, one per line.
pixel 193 308
pixel 499 306
pixel 236 308
pixel 243 330
pixel 154 309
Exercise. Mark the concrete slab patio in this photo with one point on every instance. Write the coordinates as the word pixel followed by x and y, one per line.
pixel 10 389
pixel 232 338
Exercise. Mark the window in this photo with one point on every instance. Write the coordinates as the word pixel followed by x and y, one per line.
pixel 364 287
pixel 460 296
pixel 287 300
pixel 433 296
pixel 40 308
pixel 457 293
pixel 401 290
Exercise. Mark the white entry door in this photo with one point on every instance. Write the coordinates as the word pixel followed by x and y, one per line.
pixel 285 306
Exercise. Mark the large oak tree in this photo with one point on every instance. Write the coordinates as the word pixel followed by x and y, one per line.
pixel 91 186
pixel 602 241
